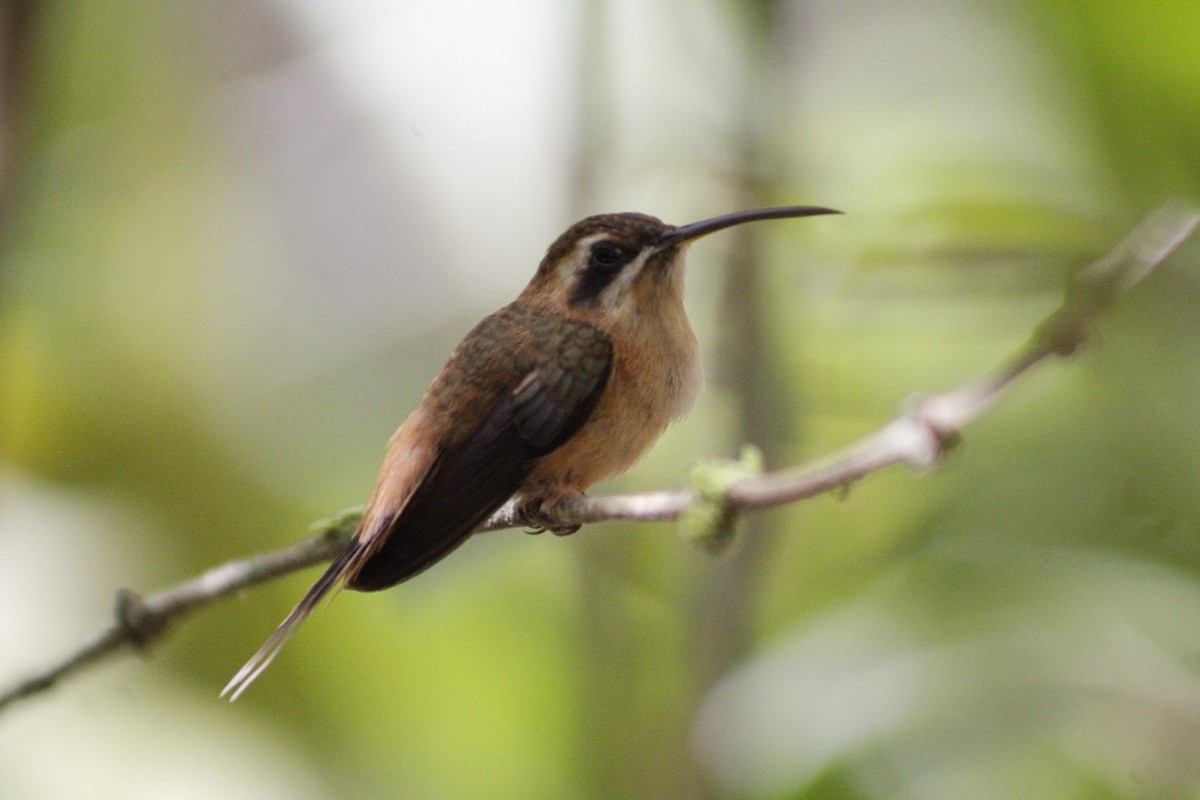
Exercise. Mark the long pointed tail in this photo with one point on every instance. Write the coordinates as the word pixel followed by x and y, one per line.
pixel 328 582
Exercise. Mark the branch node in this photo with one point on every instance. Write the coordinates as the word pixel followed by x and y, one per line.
pixel 926 433
pixel 1065 331
pixel 338 530
pixel 709 520
pixel 140 624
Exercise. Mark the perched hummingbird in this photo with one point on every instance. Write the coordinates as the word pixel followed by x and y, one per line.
pixel 566 386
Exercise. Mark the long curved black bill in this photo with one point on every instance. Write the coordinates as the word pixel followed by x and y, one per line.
pixel 695 230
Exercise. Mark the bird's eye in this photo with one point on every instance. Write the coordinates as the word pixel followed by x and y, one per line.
pixel 606 257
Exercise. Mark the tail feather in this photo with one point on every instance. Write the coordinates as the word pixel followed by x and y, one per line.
pixel 345 564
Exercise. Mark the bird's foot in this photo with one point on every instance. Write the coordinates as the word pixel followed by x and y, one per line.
pixel 538 510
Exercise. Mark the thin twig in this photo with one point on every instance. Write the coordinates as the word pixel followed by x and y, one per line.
pixel 918 437
pixel 139 621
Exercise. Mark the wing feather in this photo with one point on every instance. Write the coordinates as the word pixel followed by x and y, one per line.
pixel 476 476
pixel 534 381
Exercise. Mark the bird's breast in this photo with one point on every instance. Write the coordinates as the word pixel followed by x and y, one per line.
pixel 656 376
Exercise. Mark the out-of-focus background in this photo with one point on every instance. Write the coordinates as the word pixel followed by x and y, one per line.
pixel 239 238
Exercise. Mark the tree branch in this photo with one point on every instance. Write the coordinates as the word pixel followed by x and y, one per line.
pixel 139 621
pixel 919 437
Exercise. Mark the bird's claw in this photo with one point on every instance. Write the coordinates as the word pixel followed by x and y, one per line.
pixel 536 509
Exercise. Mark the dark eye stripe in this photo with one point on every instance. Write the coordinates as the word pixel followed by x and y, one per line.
pixel 605 262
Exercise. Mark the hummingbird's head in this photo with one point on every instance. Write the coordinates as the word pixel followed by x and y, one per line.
pixel 612 263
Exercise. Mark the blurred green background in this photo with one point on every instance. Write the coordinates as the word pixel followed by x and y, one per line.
pixel 239 238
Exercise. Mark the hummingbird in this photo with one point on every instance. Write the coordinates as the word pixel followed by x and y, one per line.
pixel 568 385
